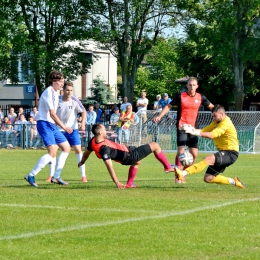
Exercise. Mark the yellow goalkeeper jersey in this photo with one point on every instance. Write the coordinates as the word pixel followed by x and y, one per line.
pixel 224 134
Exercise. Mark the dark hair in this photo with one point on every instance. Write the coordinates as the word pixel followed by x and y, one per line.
pixel 70 84
pixel 95 129
pixel 218 108
pixel 55 76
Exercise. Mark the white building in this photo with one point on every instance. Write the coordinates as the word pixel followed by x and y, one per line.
pixel 104 65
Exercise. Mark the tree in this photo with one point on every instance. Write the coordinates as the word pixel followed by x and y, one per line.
pixel 161 71
pixel 227 30
pixel 101 93
pixel 129 29
pixel 46 35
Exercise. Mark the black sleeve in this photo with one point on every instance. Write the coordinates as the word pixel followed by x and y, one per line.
pixel 204 101
pixel 176 100
pixel 90 146
pixel 105 152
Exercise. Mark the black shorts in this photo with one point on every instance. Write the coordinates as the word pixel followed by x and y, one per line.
pixel 223 159
pixel 184 139
pixel 136 154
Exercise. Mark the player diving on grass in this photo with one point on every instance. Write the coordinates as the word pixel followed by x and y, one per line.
pixel 224 135
pixel 126 155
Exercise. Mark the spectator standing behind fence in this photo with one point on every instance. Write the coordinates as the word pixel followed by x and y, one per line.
pixel 6 130
pixel 163 102
pixel 34 113
pixel 99 112
pixel 112 111
pixel 32 133
pixel 68 109
pixel 156 103
pixel 18 130
pixel 124 104
pixel 20 111
pixel 188 103
pixel 91 120
pixel 115 117
pixel 125 120
pixel 141 105
pixel 12 115
pixel 1 115
pixel 47 122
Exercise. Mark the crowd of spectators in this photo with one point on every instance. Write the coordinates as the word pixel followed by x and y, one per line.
pixel 17 130
pixel 119 119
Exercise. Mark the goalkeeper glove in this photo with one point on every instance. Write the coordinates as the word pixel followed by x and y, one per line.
pixel 185 126
pixel 191 130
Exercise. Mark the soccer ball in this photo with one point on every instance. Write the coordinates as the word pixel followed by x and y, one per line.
pixel 186 158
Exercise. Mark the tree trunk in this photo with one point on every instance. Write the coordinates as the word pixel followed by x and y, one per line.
pixel 238 67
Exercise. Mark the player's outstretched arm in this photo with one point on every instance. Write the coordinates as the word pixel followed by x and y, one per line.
pixel 112 173
pixel 84 157
pixel 164 112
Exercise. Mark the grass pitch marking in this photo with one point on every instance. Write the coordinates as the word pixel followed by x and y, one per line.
pixel 91 225
pixel 73 208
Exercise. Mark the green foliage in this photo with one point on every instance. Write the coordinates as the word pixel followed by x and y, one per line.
pixel 221 35
pixel 159 220
pixel 101 93
pixel 129 29
pixel 161 71
pixel 44 36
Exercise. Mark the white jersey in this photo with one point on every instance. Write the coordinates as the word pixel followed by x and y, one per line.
pixel 124 105
pixel 68 110
pixel 142 101
pixel 49 100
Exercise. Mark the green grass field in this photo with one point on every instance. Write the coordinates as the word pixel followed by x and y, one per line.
pixel 158 220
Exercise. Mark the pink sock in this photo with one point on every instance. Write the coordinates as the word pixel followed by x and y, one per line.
pixel 162 158
pixel 131 175
pixel 177 162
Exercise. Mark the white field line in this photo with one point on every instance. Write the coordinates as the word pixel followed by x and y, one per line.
pixel 73 208
pixel 116 222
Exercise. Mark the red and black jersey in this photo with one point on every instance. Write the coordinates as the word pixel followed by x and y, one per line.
pixel 188 107
pixel 108 149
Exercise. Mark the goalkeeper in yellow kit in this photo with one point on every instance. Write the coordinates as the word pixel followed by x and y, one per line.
pixel 224 135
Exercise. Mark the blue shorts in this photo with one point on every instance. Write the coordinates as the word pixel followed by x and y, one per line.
pixel 50 133
pixel 73 138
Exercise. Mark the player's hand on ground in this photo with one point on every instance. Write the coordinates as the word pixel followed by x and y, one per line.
pixel 157 119
pixel 120 185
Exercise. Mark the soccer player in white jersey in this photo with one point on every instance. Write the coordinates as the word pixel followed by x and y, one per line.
pixel 47 122
pixel 68 109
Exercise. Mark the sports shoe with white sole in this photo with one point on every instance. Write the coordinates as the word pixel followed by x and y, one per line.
pixel 84 179
pixel 31 180
pixel 239 183
pixel 178 174
pixel 172 169
pixel 180 181
pixel 58 181
pixel 133 185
